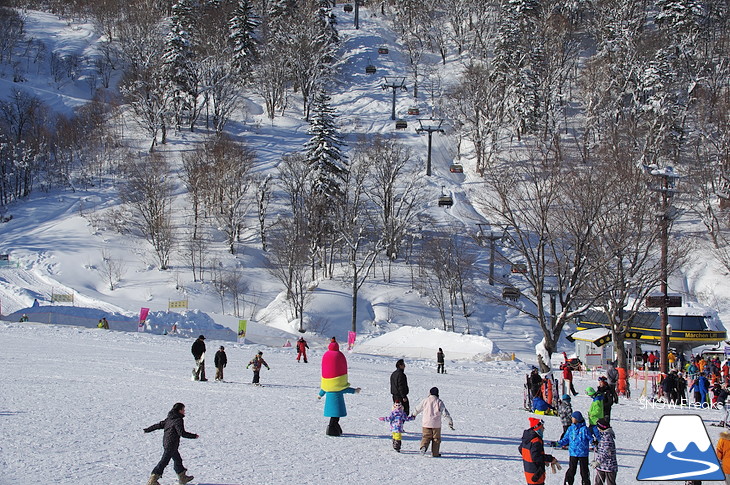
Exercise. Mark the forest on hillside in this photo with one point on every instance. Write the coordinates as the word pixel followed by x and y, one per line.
pixel 578 116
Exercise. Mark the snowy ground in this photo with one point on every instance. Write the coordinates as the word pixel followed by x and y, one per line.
pixel 75 400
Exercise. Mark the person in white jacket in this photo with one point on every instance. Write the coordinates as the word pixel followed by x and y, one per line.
pixel 432 408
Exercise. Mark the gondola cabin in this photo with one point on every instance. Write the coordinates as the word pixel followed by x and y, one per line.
pixel 413 111
pixel 446 201
pixel 456 168
pixel 401 124
pixel 519 268
pixel 347 7
pixel 511 293
pixel 370 69
pixel 382 50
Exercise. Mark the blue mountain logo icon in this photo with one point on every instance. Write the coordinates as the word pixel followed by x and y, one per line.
pixel 680 450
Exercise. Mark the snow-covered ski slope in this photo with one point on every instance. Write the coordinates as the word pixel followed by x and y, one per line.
pixel 74 402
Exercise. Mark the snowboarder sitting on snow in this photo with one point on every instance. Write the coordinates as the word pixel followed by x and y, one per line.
pixel 220 361
pixel 540 406
pixel 24 318
pixel 174 429
pixel 532 449
pixel 257 362
pixel 432 408
pixel 397 419
pixel 578 438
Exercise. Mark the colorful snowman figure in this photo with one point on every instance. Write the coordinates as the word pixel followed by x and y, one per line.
pixel 334 386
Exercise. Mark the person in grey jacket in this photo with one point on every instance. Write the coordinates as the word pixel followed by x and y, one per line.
pixel 174 429
pixel 606 463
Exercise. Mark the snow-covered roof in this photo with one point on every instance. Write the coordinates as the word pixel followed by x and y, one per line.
pixel 590 335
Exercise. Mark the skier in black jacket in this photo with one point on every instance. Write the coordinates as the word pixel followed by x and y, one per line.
pixel 174 429
pixel 198 350
pixel 399 385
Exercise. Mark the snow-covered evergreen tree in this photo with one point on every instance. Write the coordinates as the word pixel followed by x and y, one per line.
pixel 242 28
pixel 323 150
pixel 516 64
pixel 178 58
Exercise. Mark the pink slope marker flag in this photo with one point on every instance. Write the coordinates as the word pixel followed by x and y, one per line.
pixel 143 312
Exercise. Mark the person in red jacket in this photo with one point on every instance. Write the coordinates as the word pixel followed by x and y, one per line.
pixel 532 449
pixel 302 349
pixel 568 379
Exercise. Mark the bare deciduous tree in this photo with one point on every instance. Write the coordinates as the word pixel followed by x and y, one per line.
pixel 147 191
pixel 112 269
pixel 551 212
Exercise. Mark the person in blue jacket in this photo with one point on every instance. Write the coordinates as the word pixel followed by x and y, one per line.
pixel 700 387
pixel 540 406
pixel 578 439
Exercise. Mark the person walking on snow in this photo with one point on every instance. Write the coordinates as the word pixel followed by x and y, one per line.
pixel 302 349
pixel 578 439
pixel 432 408
pixel 606 463
pixel 220 362
pixel 440 362
pixel 397 419
pixel 532 449
pixel 399 386
pixel 257 362
pixel 174 427
pixel 198 351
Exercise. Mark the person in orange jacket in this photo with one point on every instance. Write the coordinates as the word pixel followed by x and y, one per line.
pixel 723 453
pixel 532 449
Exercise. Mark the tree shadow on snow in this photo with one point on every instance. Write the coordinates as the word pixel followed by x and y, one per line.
pixel 479 456
pixel 487 440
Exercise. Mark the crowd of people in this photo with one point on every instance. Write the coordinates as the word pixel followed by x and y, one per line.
pixel 578 436
pixel 706 380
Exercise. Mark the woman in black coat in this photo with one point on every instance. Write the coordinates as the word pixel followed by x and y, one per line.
pixel 174 429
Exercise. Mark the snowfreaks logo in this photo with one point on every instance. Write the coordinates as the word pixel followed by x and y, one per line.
pixel 680 450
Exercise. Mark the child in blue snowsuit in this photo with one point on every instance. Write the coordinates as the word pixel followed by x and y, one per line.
pixel 397 419
pixel 578 438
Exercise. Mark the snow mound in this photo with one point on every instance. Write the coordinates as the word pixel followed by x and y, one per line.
pixel 187 323
pixel 417 342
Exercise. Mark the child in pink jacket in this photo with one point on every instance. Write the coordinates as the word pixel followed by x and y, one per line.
pixel 432 408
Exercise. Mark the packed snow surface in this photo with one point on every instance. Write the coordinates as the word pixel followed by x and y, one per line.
pixel 75 401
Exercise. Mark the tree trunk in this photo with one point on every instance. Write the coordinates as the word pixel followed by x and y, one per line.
pixel 618 344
